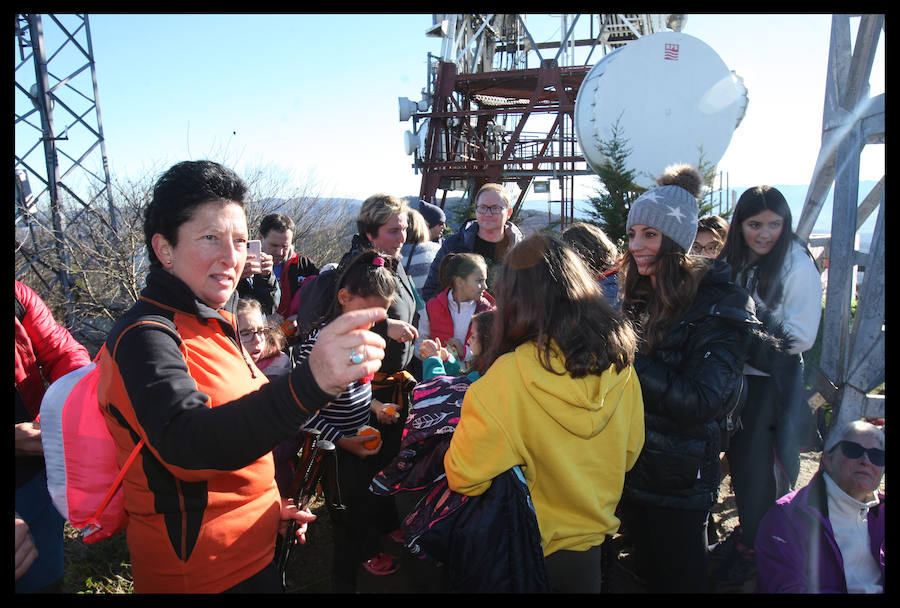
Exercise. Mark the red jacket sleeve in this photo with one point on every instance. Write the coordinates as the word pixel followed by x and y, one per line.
pixel 55 350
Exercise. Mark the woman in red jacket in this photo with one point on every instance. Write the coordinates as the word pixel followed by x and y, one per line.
pixel 44 351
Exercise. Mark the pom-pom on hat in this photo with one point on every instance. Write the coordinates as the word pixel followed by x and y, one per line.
pixel 433 214
pixel 672 206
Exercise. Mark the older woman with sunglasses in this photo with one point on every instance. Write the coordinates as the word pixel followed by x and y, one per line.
pixel 828 537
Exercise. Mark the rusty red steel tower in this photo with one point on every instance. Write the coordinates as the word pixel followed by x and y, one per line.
pixel 486 116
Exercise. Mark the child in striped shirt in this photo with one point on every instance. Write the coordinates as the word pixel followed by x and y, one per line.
pixel 365 282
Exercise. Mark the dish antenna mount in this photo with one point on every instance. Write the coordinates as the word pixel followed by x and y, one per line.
pixel 499 102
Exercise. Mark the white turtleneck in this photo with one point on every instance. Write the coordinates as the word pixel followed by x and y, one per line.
pixel 849 520
pixel 461 313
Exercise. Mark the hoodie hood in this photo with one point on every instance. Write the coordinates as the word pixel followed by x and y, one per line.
pixel 583 406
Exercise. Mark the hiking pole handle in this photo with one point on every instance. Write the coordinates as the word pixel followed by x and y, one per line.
pixel 303 461
pixel 323 450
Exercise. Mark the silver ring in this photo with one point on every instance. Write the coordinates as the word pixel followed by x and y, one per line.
pixel 356 358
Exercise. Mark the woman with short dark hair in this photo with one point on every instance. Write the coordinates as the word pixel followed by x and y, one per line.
pixel 204 509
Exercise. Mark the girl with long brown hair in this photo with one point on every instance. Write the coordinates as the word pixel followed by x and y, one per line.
pixel 776 267
pixel 560 399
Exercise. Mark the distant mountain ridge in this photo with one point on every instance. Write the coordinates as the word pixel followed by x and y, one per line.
pixel 794 194
pixel 534 214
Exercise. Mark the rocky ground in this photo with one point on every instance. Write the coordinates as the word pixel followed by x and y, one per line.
pixel 309 568
pixel 104 568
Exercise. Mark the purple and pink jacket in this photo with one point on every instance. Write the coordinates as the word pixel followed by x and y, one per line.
pixel 796 551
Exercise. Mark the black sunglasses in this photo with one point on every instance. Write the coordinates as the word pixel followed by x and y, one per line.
pixel 851 449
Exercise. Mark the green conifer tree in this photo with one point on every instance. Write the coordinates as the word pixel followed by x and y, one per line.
pixel 609 208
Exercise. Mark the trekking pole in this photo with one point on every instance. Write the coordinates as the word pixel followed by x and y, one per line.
pixel 319 467
pixel 304 460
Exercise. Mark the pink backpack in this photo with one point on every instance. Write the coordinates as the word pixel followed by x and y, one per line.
pixel 83 475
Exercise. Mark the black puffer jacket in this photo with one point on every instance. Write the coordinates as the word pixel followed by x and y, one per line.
pixel 686 384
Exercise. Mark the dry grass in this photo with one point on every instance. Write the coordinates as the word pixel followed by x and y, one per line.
pixel 105 567
pixel 102 568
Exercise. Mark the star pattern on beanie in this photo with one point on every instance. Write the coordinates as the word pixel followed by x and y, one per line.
pixel 670 209
pixel 675 212
pixel 652 196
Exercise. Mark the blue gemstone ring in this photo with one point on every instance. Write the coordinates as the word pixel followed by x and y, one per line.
pixel 356 358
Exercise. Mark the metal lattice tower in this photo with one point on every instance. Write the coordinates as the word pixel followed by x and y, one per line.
pixel 493 79
pixel 61 167
pixel 852 362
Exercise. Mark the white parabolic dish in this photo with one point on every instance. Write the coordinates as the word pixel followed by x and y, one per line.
pixel 672 96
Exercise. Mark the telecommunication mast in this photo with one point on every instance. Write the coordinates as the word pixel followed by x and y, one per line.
pixel 61 168
pixel 499 101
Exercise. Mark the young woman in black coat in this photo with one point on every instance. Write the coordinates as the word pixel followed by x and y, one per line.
pixel 693 326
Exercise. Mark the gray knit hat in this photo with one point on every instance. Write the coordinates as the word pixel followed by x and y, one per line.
pixel 670 209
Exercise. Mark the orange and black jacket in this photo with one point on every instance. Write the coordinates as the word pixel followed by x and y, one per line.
pixel 201 497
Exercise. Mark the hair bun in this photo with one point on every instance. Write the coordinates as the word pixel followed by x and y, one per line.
pixel 685 176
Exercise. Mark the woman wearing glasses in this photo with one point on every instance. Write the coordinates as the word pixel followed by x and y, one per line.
pixel 712 231
pixel 828 537
pixel 490 235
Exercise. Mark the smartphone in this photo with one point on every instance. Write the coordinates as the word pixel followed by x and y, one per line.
pixel 254 248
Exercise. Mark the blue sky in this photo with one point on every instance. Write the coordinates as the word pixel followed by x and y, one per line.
pixel 316 95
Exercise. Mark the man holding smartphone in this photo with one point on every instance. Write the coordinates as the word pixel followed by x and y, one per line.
pixel 275 276
pixel 257 280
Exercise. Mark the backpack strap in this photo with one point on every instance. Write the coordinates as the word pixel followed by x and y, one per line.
pixel 409 258
pixel 94 525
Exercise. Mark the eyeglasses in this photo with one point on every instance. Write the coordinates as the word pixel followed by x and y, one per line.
pixel 711 249
pixel 248 335
pixel 853 450
pixel 485 210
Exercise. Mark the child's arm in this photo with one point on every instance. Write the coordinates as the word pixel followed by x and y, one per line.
pixel 435 366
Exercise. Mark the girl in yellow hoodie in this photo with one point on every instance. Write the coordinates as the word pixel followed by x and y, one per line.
pixel 561 399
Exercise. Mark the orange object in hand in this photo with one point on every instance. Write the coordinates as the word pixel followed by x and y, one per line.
pixel 376 436
pixel 391 411
pixel 288 328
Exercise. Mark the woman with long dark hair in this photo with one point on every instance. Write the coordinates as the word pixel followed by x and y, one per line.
pixel 775 266
pixel 693 327
pixel 560 399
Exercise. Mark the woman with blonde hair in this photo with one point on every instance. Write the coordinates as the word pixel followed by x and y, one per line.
pixel 419 250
